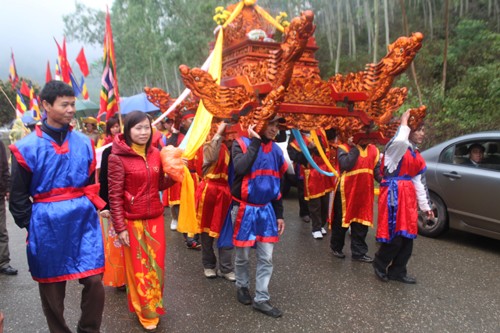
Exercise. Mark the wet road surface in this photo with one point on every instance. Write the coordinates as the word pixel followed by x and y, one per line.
pixel 457 290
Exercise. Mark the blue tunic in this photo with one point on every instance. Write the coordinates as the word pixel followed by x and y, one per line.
pixel 64 237
pixel 256 220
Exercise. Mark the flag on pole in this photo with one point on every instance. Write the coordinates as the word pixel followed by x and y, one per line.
pixel 109 89
pixel 20 105
pixel 82 62
pixel 57 71
pixel 34 104
pixel 75 85
pixel 48 74
pixel 13 78
pixel 83 87
pixel 64 66
pixel 25 90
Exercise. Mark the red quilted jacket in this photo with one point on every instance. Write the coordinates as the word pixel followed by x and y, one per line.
pixel 134 184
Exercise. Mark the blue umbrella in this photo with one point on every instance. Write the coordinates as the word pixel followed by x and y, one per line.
pixel 28 117
pixel 137 102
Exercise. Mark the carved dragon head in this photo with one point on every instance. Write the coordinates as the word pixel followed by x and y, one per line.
pixel 401 53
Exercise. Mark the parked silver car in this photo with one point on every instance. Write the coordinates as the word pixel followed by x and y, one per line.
pixel 465 195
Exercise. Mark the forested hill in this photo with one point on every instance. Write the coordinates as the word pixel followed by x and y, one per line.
pixel 152 38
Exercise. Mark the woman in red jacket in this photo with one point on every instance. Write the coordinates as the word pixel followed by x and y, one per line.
pixel 135 178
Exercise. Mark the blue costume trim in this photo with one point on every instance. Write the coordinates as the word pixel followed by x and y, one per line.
pixel 392 202
pixel 305 151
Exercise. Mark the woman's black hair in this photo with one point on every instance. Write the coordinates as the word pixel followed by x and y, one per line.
pixel 110 123
pixel 132 119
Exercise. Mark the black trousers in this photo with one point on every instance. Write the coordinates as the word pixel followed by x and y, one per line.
pixel 394 256
pixel 92 305
pixel 303 208
pixel 358 232
pixel 318 211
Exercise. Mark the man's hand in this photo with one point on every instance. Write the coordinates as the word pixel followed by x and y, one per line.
pixel 221 128
pixel 350 141
pixel 174 130
pixel 123 237
pixel 252 133
pixel 405 117
pixel 281 226
pixel 429 214
pixel 7 196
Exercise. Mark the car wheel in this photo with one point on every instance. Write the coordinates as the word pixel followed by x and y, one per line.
pixel 438 225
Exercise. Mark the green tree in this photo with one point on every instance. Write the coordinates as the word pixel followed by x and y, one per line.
pixel 7 96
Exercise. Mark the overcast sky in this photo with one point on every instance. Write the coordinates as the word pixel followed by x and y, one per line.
pixel 29 28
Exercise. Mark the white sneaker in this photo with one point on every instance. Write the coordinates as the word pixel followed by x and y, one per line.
pixel 228 276
pixel 173 225
pixel 209 273
pixel 323 231
pixel 317 235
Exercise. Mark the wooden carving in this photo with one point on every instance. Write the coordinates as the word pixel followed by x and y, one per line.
pixel 262 78
pixel 159 98
pixel 222 102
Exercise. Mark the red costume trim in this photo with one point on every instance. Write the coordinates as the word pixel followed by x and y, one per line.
pixel 70 276
pixel 67 193
pixel 61 150
pixel 19 157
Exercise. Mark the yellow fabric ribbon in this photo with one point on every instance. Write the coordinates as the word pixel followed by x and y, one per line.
pixel 200 129
pixel 315 139
pixel 269 18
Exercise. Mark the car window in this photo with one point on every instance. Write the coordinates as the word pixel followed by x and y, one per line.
pixel 475 154
pixel 491 159
pixel 447 156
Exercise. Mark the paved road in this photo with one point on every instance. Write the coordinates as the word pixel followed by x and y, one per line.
pixel 458 290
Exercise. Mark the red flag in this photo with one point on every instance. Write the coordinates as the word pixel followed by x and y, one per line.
pixel 48 74
pixel 13 78
pixel 25 90
pixel 82 62
pixel 109 89
pixel 63 62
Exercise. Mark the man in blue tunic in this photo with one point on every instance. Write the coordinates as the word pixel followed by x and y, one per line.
pixel 257 212
pixel 54 198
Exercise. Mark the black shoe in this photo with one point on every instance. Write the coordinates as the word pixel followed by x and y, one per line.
pixel 267 309
pixel 243 296
pixel 193 245
pixel 9 270
pixel 121 288
pixel 363 258
pixel 339 254
pixel 405 279
pixel 381 275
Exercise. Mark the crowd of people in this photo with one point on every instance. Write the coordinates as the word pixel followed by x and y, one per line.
pixel 106 226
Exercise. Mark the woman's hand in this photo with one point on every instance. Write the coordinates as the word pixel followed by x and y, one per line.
pixel 123 237
pixel 105 214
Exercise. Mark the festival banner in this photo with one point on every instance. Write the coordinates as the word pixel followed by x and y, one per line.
pixel 13 78
pixel 109 90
